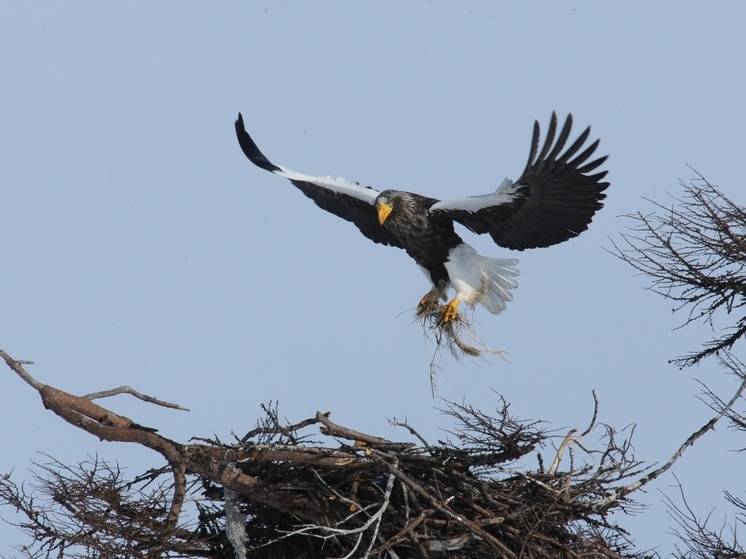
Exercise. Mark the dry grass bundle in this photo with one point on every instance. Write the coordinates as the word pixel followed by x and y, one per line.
pixel 450 335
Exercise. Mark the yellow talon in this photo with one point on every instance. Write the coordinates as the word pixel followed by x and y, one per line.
pixel 450 312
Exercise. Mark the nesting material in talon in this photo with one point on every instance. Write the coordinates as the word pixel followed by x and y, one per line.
pixel 428 302
pixel 451 334
pixel 448 326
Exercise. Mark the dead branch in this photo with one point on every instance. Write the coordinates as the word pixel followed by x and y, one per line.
pixel 16 365
pixel 736 367
pixel 334 430
pixel 694 254
pixel 139 395
pixel 271 426
pixel 698 539
pixel 644 480
pixel 566 442
pixel 405 425
pixel 592 423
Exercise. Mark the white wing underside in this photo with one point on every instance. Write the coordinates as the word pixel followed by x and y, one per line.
pixel 505 194
pixel 339 185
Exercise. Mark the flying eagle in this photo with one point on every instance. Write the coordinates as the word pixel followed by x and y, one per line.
pixel 553 200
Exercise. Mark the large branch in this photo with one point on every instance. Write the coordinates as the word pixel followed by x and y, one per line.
pixel 107 425
pixel 211 462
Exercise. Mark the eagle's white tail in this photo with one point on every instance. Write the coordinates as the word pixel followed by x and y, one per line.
pixel 481 279
pixel 499 278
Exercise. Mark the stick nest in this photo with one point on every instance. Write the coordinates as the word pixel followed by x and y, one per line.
pixel 293 496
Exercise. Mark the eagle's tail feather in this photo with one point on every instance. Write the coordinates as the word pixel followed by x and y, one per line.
pixel 498 277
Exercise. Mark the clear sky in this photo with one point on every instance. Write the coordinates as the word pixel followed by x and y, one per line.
pixel 140 247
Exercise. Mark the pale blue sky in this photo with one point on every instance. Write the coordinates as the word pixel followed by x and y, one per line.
pixel 140 247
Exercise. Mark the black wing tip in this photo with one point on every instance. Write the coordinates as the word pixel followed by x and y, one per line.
pixel 554 118
pixel 240 128
pixel 250 149
pixel 556 152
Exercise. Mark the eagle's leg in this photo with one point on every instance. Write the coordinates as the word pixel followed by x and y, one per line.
pixel 429 302
pixel 450 312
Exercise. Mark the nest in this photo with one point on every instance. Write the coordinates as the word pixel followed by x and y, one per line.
pixel 365 496
pixel 289 490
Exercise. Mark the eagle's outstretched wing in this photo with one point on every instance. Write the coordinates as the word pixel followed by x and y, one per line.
pixel 346 199
pixel 554 199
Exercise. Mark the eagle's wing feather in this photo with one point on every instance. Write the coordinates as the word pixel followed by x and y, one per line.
pixel 553 200
pixel 346 199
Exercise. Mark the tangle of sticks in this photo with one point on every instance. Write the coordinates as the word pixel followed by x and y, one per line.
pixel 315 488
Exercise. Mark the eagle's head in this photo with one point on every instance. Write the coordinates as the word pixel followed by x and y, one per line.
pixel 394 205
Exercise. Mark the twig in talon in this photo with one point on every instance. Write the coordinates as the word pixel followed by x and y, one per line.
pixel 447 324
pixel 449 327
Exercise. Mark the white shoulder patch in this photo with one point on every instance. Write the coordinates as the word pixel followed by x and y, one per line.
pixel 505 194
pixel 335 184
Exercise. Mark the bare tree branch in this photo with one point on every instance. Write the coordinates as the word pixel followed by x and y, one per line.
pixel 16 365
pixel 694 254
pixel 639 483
pixel 131 391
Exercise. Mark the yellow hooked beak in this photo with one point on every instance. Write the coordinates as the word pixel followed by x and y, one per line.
pixel 384 210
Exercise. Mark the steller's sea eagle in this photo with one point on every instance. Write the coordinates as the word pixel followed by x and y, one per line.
pixel 553 200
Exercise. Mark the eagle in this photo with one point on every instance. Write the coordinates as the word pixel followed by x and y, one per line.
pixel 553 200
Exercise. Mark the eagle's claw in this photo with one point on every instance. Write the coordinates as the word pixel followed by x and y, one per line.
pixel 450 312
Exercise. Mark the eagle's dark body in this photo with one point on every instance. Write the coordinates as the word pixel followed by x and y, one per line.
pixel 553 200
pixel 426 238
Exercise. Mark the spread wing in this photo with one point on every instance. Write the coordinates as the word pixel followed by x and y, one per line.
pixel 554 200
pixel 346 199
